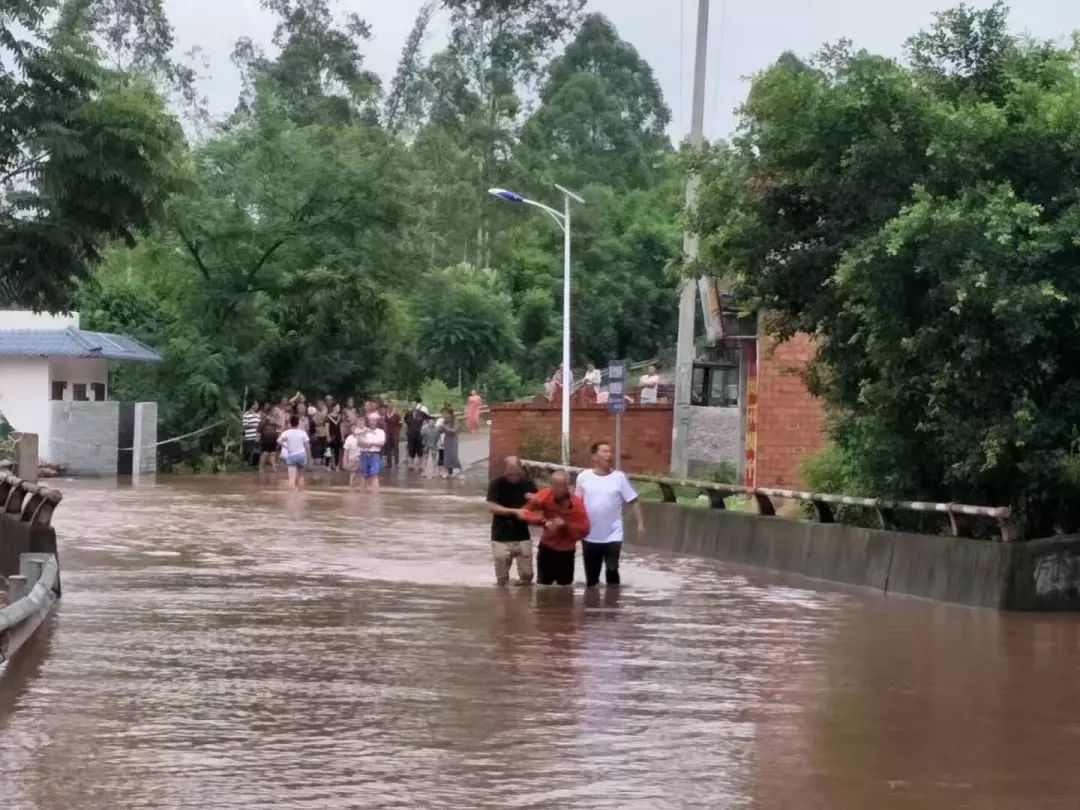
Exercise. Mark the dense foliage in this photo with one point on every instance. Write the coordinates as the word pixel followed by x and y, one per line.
pixel 333 235
pixel 86 156
pixel 920 220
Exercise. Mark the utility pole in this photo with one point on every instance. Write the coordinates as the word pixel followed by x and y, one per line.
pixel 684 361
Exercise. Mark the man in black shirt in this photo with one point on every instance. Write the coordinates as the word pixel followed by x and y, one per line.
pixel 510 539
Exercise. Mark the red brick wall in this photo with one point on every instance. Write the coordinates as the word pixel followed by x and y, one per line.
pixel 522 430
pixel 791 422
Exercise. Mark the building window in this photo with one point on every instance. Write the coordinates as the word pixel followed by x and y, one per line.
pixel 725 387
pixel 715 386
pixel 99 391
pixel 58 388
pixel 79 392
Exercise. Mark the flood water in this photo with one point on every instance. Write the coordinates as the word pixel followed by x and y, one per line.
pixel 225 645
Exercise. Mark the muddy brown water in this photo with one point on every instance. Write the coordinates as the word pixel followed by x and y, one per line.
pixel 222 644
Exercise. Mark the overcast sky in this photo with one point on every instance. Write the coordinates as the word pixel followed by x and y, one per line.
pixel 746 35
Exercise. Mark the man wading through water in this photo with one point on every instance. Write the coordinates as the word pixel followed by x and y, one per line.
pixel 605 491
pixel 510 538
pixel 562 514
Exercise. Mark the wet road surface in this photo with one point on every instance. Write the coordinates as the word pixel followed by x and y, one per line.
pixel 225 645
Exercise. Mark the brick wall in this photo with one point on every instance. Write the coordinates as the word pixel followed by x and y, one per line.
pixel 534 429
pixel 791 422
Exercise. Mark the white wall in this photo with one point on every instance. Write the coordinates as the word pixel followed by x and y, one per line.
pixel 78 370
pixel 84 436
pixel 144 461
pixel 24 395
pixel 25 319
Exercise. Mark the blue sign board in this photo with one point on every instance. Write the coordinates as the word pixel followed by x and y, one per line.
pixel 616 402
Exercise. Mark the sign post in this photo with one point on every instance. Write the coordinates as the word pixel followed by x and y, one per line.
pixel 616 402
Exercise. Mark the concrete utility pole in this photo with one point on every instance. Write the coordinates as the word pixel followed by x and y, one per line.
pixel 684 362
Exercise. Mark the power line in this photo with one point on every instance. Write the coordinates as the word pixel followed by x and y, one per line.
pixel 718 60
pixel 682 64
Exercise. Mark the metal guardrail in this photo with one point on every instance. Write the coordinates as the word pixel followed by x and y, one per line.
pixel 33 593
pixel 823 504
pixel 37 593
pixel 33 503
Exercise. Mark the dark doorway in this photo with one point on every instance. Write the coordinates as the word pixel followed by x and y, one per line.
pixel 125 439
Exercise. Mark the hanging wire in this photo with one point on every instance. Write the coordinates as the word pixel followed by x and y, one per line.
pixel 682 65
pixel 717 74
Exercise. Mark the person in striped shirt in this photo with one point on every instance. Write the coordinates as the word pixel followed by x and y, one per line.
pixel 252 422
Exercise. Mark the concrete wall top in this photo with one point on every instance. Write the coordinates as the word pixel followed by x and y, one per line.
pixel 557 406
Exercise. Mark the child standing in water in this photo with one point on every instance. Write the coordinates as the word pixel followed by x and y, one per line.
pixel 351 455
pixel 295 452
pixel 429 435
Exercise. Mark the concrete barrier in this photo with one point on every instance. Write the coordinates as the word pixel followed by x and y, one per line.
pixel 1034 575
pixel 26 512
pixel 26 461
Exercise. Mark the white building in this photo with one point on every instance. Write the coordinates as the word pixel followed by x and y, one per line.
pixel 54 382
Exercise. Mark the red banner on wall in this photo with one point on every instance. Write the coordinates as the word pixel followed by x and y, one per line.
pixel 750 459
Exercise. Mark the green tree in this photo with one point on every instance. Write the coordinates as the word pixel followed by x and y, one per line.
pixel 469 100
pixel 272 272
pixel 500 383
pixel 602 117
pixel 466 324
pixel 318 73
pixel 919 220
pixel 83 159
pixel 403 103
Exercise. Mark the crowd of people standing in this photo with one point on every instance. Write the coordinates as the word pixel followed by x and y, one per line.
pixel 648 388
pixel 363 441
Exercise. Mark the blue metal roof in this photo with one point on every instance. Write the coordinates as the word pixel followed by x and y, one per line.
pixel 72 342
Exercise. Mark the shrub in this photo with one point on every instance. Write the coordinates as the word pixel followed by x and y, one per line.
pixel 435 393
pixel 500 383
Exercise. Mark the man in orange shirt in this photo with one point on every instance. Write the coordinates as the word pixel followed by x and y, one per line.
pixel 565 522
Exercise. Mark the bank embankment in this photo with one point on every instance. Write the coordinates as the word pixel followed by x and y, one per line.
pixel 1032 575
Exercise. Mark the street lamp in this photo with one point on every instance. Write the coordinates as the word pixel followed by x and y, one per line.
pixel 563 221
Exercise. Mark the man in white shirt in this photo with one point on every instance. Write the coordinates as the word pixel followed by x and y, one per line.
pixel 372 439
pixel 650 386
pixel 605 492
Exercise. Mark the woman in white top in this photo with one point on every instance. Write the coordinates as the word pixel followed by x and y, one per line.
pixel 351 455
pixel 295 452
pixel 650 386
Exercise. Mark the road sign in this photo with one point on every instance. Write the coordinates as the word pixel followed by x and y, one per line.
pixel 616 401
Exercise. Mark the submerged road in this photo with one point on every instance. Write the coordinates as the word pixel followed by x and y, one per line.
pixel 224 644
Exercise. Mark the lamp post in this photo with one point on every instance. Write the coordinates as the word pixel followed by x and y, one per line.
pixel 563 221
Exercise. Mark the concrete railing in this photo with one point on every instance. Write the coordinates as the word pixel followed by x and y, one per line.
pixel 31 503
pixel 824 505
pixel 28 559
pixel 31 593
